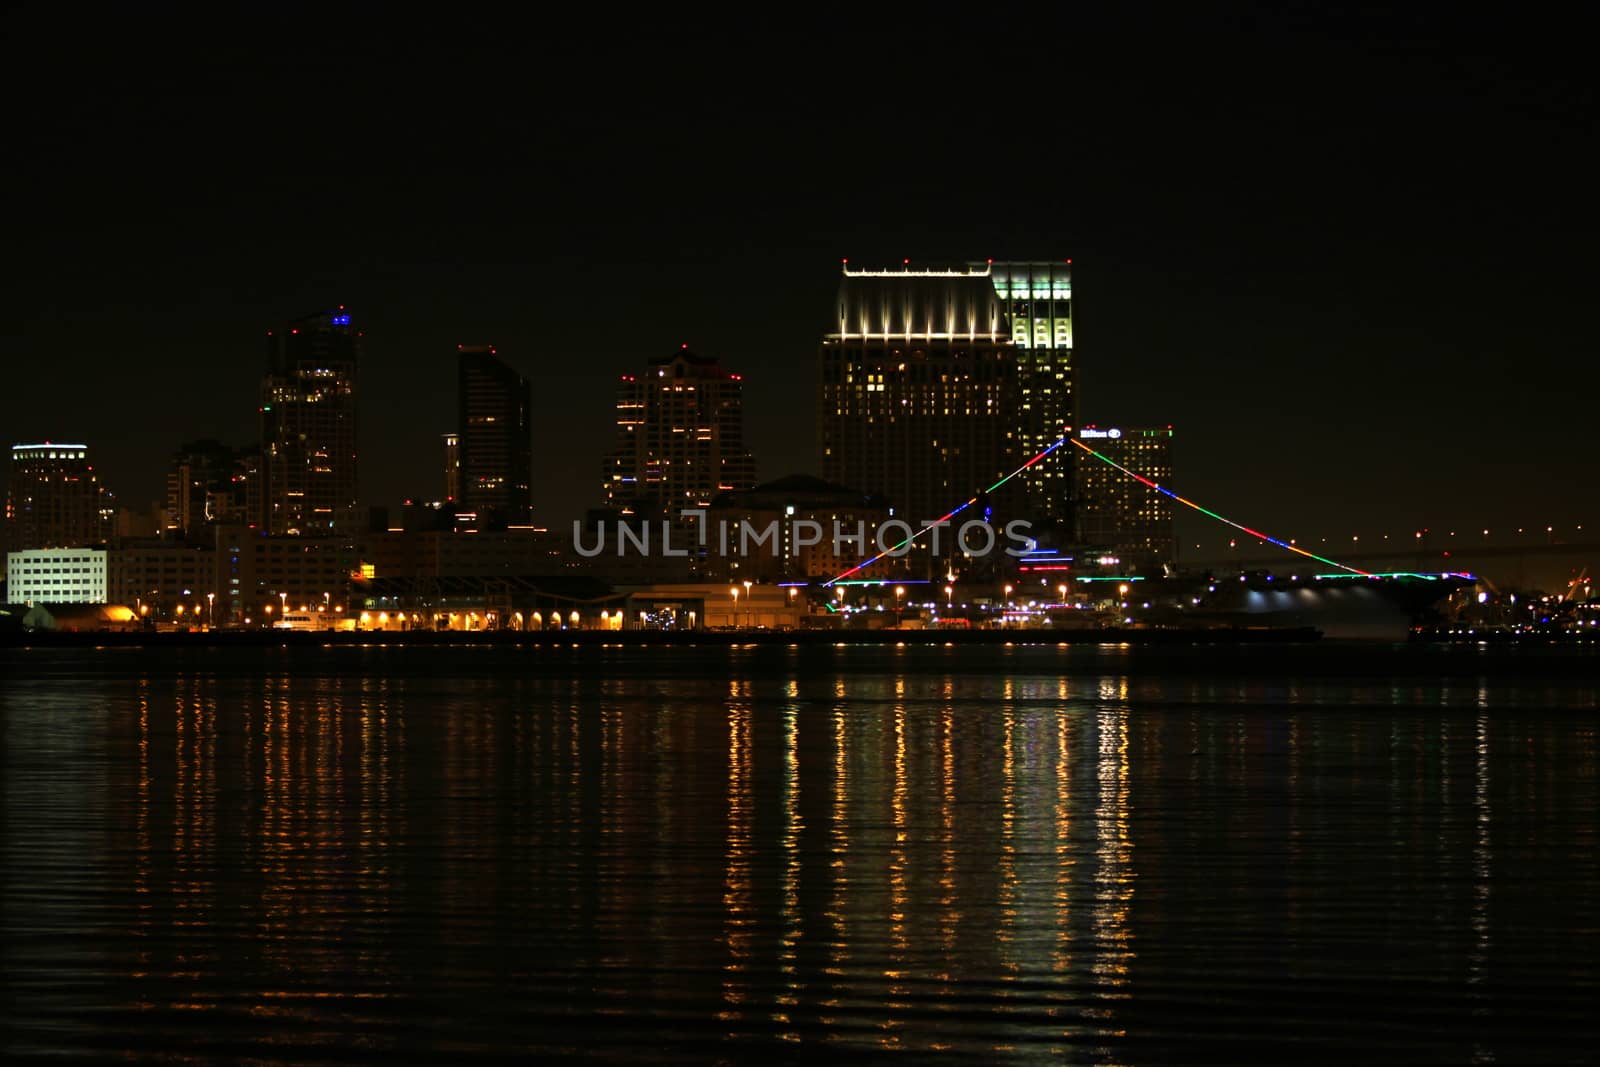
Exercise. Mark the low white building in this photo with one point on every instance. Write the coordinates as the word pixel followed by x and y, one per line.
pixel 56 576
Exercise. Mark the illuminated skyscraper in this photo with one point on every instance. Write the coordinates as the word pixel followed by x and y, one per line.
pixel 680 435
pixel 54 499
pixel 916 388
pixel 308 426
pixel 494 451
pixel 1037 298
pixel 1117 513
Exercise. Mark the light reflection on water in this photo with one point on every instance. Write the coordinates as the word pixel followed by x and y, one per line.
pixel 1028 854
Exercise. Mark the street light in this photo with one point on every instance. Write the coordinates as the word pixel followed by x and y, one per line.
pixel 949 597
pixel 748 614
pixel 734 591
pixel 211 611
pixel 1008 596
pixel 1062 589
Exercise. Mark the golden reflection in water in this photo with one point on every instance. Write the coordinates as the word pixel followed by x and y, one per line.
pixel 736 892
pixel 276 841
pixel 1114 878
pixel 1007 888
pixel 374 824
pixel 1065 862
pixel 899 944
pixel 1482 859
pixel 790 921
pixel 838 866
pixel 949 912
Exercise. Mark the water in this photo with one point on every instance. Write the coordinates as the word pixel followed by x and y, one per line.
pixel 1074 854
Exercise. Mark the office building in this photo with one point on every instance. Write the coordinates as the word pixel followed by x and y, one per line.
pixel 680 436
pixel 494 451
pixel 54 499
pixel 56 576
pixel 1118 515
pixel 916 388
pixel 308 427
pixel 1037 301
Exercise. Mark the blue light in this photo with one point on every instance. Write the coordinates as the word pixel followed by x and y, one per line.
pixel 341 320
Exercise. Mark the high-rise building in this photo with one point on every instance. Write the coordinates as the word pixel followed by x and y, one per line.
pixel 54 499
pixel 308 426
pixel 680 435
pixel 916 388
pixel 495 440
pixel 1037 298
pixel 1118 513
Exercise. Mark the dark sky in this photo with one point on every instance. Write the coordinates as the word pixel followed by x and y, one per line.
pixel 1347 254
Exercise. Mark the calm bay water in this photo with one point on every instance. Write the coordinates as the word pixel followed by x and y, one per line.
pixel 1030 854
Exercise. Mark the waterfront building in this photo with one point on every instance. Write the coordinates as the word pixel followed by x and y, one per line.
pixel 680 436
pixel 492 462
pixel 1119 516
pixel 426 554
pixel 155 576
pixel 308 426
pixel 54 499
pixel 239 574
pixel 56 576
pixel 916 388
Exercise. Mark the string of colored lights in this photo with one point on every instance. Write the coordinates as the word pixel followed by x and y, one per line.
pixel 1207 511
pixel 864 564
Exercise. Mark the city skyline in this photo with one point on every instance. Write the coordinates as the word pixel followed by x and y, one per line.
pixel 1347 291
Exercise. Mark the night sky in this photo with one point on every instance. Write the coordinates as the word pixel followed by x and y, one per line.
pixel 1348 255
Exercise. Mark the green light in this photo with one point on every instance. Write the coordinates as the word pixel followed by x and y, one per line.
pixel 1398 574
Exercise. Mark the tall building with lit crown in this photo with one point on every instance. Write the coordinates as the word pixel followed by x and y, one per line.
pixel 916 387
pixel 1117 513
pixel 1037 300
pixel 494 444
pixel 680 435
pixel 54 499
pixel 308 426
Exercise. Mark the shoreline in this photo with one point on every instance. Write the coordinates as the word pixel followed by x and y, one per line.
pixel 647 638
